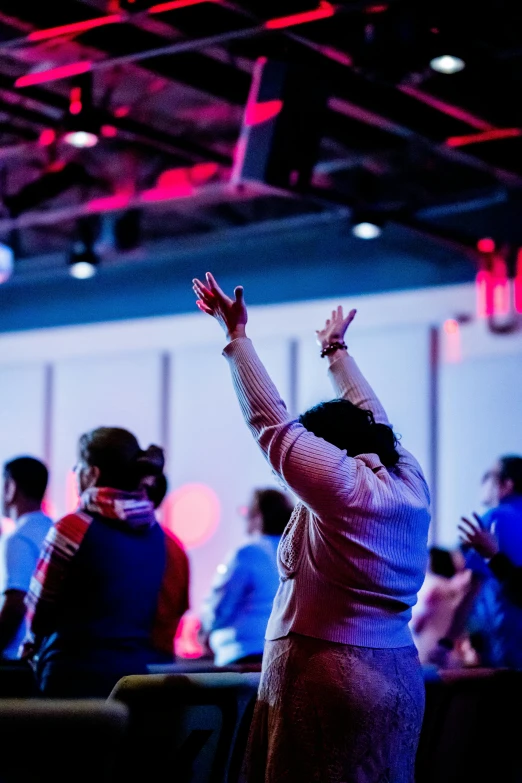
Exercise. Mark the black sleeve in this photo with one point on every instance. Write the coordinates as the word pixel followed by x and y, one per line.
pixel 509 575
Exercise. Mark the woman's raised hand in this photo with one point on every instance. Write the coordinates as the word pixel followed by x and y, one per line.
pixel 231 314
pixel 335 327
pixel 474 534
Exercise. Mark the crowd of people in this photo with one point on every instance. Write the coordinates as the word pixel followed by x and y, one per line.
pixel 336 594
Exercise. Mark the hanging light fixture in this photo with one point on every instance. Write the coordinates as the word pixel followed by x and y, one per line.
pixel 83 128
pixel 366 224
pixel 83 259
pixel 83 262
pixel 447 64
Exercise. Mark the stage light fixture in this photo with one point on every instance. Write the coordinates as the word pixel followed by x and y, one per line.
pixel 447 64
pixel 81 139
pixel 366 229
pixel 83 262
pixel 82 126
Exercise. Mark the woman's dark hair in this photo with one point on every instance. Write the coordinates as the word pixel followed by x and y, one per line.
pixel 348 427
pixel 119 458
pixel 156 487
pixel 275 509
pixel 511 468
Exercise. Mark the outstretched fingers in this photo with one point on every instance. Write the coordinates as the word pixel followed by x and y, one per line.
pixel 469 526
pixel 204 307
pixel 214 288
pixel 349 318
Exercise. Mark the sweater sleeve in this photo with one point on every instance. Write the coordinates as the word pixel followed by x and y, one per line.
pixel 59 547
pixel 317 472
pixel 350 384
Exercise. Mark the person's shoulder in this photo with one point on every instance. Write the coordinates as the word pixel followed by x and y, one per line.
pixel 253 551
pixel 36 524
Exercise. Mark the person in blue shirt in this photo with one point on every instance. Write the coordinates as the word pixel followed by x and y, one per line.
pixel 492 609
pixel 235 613
pixel 25 484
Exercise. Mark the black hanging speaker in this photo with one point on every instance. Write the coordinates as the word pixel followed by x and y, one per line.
pixel 282 126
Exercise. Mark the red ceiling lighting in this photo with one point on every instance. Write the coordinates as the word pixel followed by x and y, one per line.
pixel 74 29
pixel 257 113
pixel 486 245
pixel 183 190
pixel 489 135
pixel 162 8
pixel 109 203
pixel 109 131
pixel 75 105
pixel 186 176
pixel 61 72
pixel 324 11
pixel 47 137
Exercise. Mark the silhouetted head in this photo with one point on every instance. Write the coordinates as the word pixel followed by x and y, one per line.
pixel 502 480
pixel 353 429
pixel 25 482
pixel 269 512
pixel 112 457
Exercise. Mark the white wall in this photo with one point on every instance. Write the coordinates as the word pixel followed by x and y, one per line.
pixel 165 379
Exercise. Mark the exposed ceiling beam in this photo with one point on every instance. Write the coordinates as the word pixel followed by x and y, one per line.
pixel 186 196
pixel 182 146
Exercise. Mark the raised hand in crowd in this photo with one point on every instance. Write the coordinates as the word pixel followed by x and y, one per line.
pixel 231 314
pixel 335 328
pixel 473 533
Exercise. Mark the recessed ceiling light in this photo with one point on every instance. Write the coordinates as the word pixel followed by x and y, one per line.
pixel 81 139
pixel 447 63
pixel 366 230
pixel 82 270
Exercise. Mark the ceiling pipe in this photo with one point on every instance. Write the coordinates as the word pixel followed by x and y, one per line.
pixel 508 178
pixel 77 28
pixel 285 26
pixel 325 9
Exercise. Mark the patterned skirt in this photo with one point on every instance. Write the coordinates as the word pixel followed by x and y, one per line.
pixel 335 713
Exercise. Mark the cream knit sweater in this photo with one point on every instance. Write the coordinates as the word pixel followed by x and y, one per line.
pixel 354 553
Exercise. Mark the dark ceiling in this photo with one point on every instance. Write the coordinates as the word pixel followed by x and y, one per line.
pixel 169 85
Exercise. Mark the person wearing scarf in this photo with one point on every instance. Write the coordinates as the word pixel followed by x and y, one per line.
pixel 106 596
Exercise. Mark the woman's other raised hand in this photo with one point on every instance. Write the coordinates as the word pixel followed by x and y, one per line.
pixel 231 314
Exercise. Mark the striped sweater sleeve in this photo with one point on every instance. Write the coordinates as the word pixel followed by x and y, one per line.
pixel 350 384
pixel 316 471
pixel 59 547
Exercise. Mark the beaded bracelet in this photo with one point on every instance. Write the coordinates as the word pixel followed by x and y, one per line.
pixel 332 347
